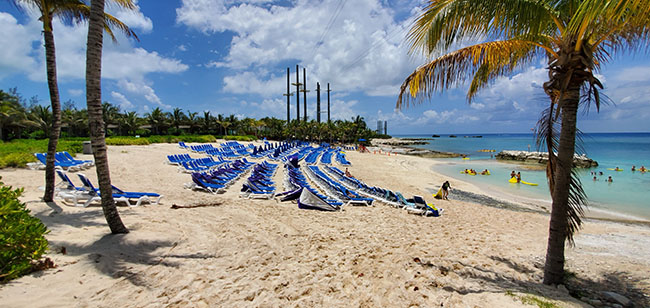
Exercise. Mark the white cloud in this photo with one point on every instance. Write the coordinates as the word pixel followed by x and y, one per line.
pixel 362 50
pixel 122 101
pixel 16 46
pixel 142 89
pixel 133 18
pixel 75 92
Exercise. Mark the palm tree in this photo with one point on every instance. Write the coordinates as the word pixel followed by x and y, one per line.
pixel 110 114
pixel 13 115
pixel 192 120
pixel 178 117
pixel 206 122
pixel 68 10
pixel 42 116
pixel 130 122
pixel 157 119
pixel 575 36
pixel 97 23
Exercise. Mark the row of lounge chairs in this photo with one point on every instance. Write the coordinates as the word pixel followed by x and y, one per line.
pixel 217 180
pixel 307 196
pixel 84 195
pixel 63 160
pixel 415 205
pixel 259 184
pixel 334 188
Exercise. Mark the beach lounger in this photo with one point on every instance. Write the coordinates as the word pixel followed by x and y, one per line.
pixel 93 194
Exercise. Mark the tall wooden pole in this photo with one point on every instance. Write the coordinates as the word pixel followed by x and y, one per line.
pixel 297 84
pixel 318 102
pixel 288 99
pixel 304 90
pixel 328 102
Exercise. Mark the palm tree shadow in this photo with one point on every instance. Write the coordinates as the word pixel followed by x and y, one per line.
pixel 493 281
pixel 116 255
pixel 59 217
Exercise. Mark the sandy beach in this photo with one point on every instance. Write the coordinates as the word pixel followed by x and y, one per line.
pixel 261 253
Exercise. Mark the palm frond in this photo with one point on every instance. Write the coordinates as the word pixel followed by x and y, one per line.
pixel 617 14
pixel 446 22
pixel 111 23
pixel 547 135
pixel 577 203
pixel 484 62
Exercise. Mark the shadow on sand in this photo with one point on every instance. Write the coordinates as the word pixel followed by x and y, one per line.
pixel 491 281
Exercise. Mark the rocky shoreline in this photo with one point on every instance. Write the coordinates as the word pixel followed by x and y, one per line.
pixel 405 146
pixel 581 161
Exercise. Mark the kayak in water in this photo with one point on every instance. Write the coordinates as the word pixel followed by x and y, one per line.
pixel 514 181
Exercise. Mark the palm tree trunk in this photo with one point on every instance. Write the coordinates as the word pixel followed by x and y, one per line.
pixel 95 120
pixel 558 226
pixel 50 59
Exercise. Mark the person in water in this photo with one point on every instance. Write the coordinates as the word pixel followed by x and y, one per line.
pixel 643 169
pixel 595 179
pixel 600 173
pixel 617 168
pixel 484 172
pixel 633 168
pixel 609 179
pixel 518 177
pixel 445 190
pixel 512 174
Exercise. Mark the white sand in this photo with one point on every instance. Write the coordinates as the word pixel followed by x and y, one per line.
pixel 245 253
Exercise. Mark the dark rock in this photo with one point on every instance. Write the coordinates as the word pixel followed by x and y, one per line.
pixel 616 298
pixel 581 161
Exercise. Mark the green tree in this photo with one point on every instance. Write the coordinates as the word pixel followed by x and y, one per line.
pixel 178 118
pixel 71 11
pixel 575 36
pixel 110 115
pixel 13 116
pixel 157 119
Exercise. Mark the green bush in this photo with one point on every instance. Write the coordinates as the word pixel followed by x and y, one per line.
pixel 22 236
pixel 126 141
pixel 241 138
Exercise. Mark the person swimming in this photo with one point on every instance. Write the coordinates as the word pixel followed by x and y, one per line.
pixel 595 179
pixel 617 168
pixel 633 168
pixel 643 169
pixel 609 179
pixel 484 172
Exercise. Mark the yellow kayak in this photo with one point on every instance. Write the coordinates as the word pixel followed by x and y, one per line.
pixel 470 173
pixel 614 169
pixel 439 194
pixel 514 180
pixel 465 158
pixel 488 173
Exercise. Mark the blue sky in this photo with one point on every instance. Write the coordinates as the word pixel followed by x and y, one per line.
pixel 230 57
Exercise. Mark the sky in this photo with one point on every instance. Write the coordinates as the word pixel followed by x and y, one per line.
pixel 230 57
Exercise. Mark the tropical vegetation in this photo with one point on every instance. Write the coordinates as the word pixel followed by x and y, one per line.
pixel 121 126
pixel 576 37
pixel 22 236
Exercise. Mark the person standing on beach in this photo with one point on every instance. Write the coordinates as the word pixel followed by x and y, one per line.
pixel 445 190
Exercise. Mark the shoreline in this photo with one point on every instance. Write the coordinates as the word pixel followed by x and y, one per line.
pixel 537 205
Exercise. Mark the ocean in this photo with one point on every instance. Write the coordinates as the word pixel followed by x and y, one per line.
pixel 628 196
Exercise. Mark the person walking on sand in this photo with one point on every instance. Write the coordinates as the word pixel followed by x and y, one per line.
pixel 445 190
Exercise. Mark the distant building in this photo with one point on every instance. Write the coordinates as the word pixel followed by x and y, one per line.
pixel 380 126
pixel 385 127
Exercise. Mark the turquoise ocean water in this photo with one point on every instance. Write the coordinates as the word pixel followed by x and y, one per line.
pixel 628 195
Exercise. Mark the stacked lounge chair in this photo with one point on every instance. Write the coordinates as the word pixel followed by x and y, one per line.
pixel 217 180
pixel 334 188
pixel 307 196
pixel 259 184
pixel 63 160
